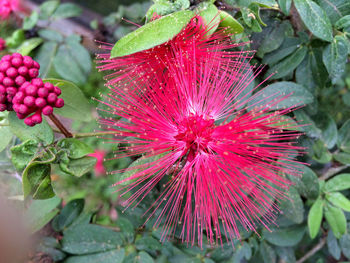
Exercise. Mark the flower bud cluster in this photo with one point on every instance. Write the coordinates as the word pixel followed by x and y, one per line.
pixel 23 92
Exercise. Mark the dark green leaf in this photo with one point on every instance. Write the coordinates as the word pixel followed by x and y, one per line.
pixel 76 106
pixel 148 244
pixel 40 212
pixel 288 64
pixel 297 95
pixel 308 125
pixel 288 46
pixel 231 24
pixel 29 45
pixel 40 132
pixel 333 245
pixel 307 185
pixel 292 206
pixel 127 228
pixel 45 56
pixel 87 239
pixel 335 9
pixel 78 167
pixel 69 213
pixel 152 34
pixel 30 21
pixel 315 19
pixel 285 237
pixel 343 22
pixel 315 217
pixel 338 183
pixel 304 75
pixel 144 257
pixel 50 246
pixel 344 137
pixel 345 245
pixel 67 10
pixel 267 253
pixel 320 152
pixel 339 200
pixel 113 256
pixel 336 220
pixel 328 127
pixel 286 255
pixel 75 148
pixel 285 6
pixel 335 56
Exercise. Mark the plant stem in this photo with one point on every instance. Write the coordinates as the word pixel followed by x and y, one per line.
pixel 60 126
pixel 333 171
pixel 92 134
pixel 313 250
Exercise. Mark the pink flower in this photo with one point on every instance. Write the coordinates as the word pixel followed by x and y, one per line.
pixel 7 7
pixel 2 44
pixel 99 167
pixel 223 162
pixel 144 65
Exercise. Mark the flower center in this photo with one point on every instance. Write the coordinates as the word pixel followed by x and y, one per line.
pixel 196 132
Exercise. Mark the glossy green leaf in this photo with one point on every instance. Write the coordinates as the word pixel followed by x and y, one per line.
pixel 335 57
pixel 78 167
pixel 343 22
pixel 29 45
pixel 288 46
pixel 307 184
pixel 40 212
pixel 152 34
pixel 333 245
pixel 40 132
pixel 315 19
pixel 292 206
pixel 76 106
pixel 68 214
pixel 148 243
pixel 287 65
pixel 344 137
pixel 335 9
pixel 75 148
pixel 342 157
pixel 268 254
pixel 315 217
pixel 297 95
pixel 113 256
pixel 231 25
pixel 320 152
pixel 328 127
pixel 339 200
pixel 210 15
pixel 336 220
pixel 338 183
pixel 22 154
pixel 87 239
pixel 285 237
pixel 144 257
pixel 345 245
pixel 45 56
pixel 164 7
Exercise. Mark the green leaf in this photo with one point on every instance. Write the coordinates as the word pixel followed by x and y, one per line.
pixel 30 21
pixel 76 106
pixel 75 148
pixel 339 200
pixel 78 167
pixel 113 256
pixel 164 7
pixel 6 136
pixel 292 206
pixel 288 46
pixel 288 64
pixel 73 61
pixel 87 239
pixel 210 15
pixel 144 257
pixel 16 38
pixel 345 245
pixel 284 237
pixel 342 157
pixel 315 217
pixel 45 56
pixel 344 137
pixel 335 9
pixel 152 34
pixel 231 25
pixel 343 22
pixel 328 127
pixel 315 19
pixel 29 45
pixel 335 57
pixel 304 74
pixel 67 10
pixel 40 212
pixel 22 154
pixel 48 8
pixel 338 183
pixel 297 95
pixel 50 35
pixel 333 245
pixel 50 246
pixel 307 185
pixel 336 220
pixel 320 152
pixel 285 6
pixel 68 214
pixel 40 132
pixel 148 243
pixel 286 254
pixel 267 253
pixel 308 125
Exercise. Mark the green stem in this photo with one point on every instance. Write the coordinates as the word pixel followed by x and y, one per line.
pixel 92 134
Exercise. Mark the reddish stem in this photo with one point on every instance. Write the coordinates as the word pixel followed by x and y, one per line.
pixel 60 126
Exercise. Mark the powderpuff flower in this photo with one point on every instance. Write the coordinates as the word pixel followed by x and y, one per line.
pixel 7 7
pixel 220 164
pixel 99 167
pixel 145 65
pixel 2 44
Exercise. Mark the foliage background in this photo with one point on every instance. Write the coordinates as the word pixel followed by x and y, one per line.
pixel 80 219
